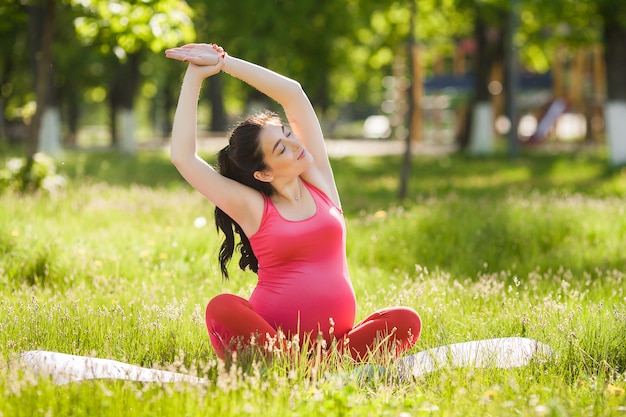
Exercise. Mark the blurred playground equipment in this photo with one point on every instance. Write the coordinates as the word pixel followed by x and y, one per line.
pixel 562 105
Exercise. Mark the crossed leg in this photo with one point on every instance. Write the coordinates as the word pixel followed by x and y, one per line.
pixel 393 329
pixel 232 320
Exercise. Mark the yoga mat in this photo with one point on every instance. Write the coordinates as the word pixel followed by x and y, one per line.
pixel 510 352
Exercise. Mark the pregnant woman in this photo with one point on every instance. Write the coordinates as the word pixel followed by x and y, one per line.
pixel 277 205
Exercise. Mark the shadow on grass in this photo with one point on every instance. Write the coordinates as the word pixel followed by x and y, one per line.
pixel 373 183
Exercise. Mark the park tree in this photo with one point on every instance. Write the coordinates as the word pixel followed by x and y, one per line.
pixel 15 84
pixel 613 17
pixel 123 31
pixel 42 27
pixel 294 37
pixel 80 79
pixel 30 44
pixel 66 79
pixel 489 29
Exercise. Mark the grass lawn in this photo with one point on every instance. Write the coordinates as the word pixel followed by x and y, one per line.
pixel 121 263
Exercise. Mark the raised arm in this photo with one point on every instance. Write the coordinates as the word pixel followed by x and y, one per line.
pixel 241 203
pixel 300 114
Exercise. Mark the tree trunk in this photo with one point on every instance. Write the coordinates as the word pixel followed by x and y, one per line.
pixel 113 106
pixel 615 57
pixel 219 122
pixel 122 98
pixel 414 104
pixel 49 140
pixel 3 122
pixel 4 78
pixel 42 26
pixel 477 131
pixel 72 112
pixel 162 115
pixel 615 108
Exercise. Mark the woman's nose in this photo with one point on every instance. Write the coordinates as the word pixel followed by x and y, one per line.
pixel 294 143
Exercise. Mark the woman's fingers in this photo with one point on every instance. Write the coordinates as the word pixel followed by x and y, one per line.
pixel 175 55
pixel 178 55
pixel 199 54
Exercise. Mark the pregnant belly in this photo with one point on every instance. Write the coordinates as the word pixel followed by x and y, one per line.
pixel 297 308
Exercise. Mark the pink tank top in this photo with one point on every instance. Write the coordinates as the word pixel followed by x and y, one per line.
pixel 303 281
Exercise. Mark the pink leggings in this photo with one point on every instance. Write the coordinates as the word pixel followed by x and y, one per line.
pixel 230 318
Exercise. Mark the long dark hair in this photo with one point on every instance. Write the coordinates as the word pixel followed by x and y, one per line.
pixel 238 161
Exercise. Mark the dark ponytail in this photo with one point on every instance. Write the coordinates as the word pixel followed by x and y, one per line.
pixel 239 160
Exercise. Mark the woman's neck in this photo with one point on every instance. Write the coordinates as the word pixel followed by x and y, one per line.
pixel 290 193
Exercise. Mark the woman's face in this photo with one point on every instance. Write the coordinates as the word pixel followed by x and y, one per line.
pixel 283 152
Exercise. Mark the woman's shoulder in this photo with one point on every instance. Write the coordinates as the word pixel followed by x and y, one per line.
pixel 322 189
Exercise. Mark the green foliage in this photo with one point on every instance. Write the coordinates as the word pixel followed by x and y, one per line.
pixel 15 83
pixel 128 26
pixel 547 27
pixel 23 175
